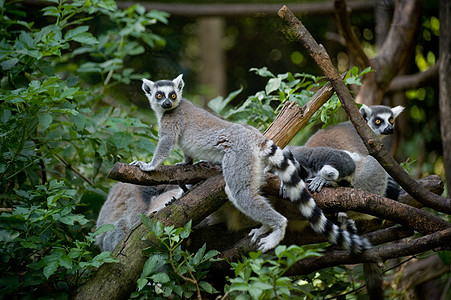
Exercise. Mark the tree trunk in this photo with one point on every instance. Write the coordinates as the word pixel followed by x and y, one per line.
pixel 213 71
pixel 445 86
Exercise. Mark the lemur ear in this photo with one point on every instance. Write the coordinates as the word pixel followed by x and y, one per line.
pixel 147 86
pixel 179 84
pixel 397 110
pixel 365 111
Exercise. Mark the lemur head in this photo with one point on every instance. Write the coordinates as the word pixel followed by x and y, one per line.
pixel 381 118
pixel 163 95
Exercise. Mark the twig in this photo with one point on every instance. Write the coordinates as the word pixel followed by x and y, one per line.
pixel 69 166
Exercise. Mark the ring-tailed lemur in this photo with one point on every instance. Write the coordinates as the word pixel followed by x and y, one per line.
pixel 244 154
pixel 370 175
pixel 124 204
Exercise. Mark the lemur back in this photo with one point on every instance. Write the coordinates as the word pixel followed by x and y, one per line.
pixel 124 204
pixel 244 154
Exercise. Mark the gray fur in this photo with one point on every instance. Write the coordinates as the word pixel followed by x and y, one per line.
pixel 124 204
pixel 244 154
pixel 325 166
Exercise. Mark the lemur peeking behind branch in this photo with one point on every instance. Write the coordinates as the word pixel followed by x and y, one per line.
pixel 369 174
pixel 244 154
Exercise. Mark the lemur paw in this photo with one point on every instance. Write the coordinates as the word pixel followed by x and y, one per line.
pixel 257 232
pixel 317 183
pixel 142 165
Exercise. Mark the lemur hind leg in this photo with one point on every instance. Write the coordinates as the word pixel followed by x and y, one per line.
pixel 243 181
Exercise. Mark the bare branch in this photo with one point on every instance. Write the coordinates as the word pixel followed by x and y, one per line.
pixel 402 248
pixel 374 145
pixel 412 81
pixel 188 174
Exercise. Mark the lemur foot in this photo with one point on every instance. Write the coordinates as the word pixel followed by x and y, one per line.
pixel 142 165
pixel 271 241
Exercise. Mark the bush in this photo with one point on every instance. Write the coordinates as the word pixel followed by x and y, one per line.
pixel 58 138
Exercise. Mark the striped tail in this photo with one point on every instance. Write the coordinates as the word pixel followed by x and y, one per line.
pixel 292 175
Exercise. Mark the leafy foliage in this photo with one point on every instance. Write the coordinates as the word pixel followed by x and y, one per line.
pixel 172 270
pixel 260 110
pixel 58 138
pixel 261 276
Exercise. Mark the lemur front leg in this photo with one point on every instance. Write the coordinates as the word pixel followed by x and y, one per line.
pixel 164 148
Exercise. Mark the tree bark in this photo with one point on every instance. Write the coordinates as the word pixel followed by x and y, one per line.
pixel 373 144
pixel 213 71
pixel 445 86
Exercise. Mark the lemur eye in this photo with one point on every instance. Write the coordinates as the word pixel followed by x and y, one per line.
pixel 391 120
pixel 159 95
pixel 378 122
pixel 173 96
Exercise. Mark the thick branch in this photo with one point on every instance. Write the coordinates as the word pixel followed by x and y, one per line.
pixel 374 145
pixel 403 248
pixel 329 199
pixel 412 81
pixel 353 44
pixel 188 174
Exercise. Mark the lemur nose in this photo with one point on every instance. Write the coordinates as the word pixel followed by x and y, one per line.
pixel 388 130
pixel 166 104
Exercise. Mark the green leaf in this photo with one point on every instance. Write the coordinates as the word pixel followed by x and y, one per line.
pixel 85 38
pixel 122 139
pixel 142 282
pixel 9 64
pixel 153 264
pixel 263 72
pixel 207 287
pixel 160 278
pixel 104 228
pixel 75 32
pixel 51 268
pixel 218 104
pixel 45 119
pixel 273 85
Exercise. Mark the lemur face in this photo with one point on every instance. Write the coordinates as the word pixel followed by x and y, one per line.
pixel 381 118
pixel 164 94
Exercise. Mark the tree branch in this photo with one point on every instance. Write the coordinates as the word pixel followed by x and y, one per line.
pixel 374 145
pixel 402 248
pixel 412 81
